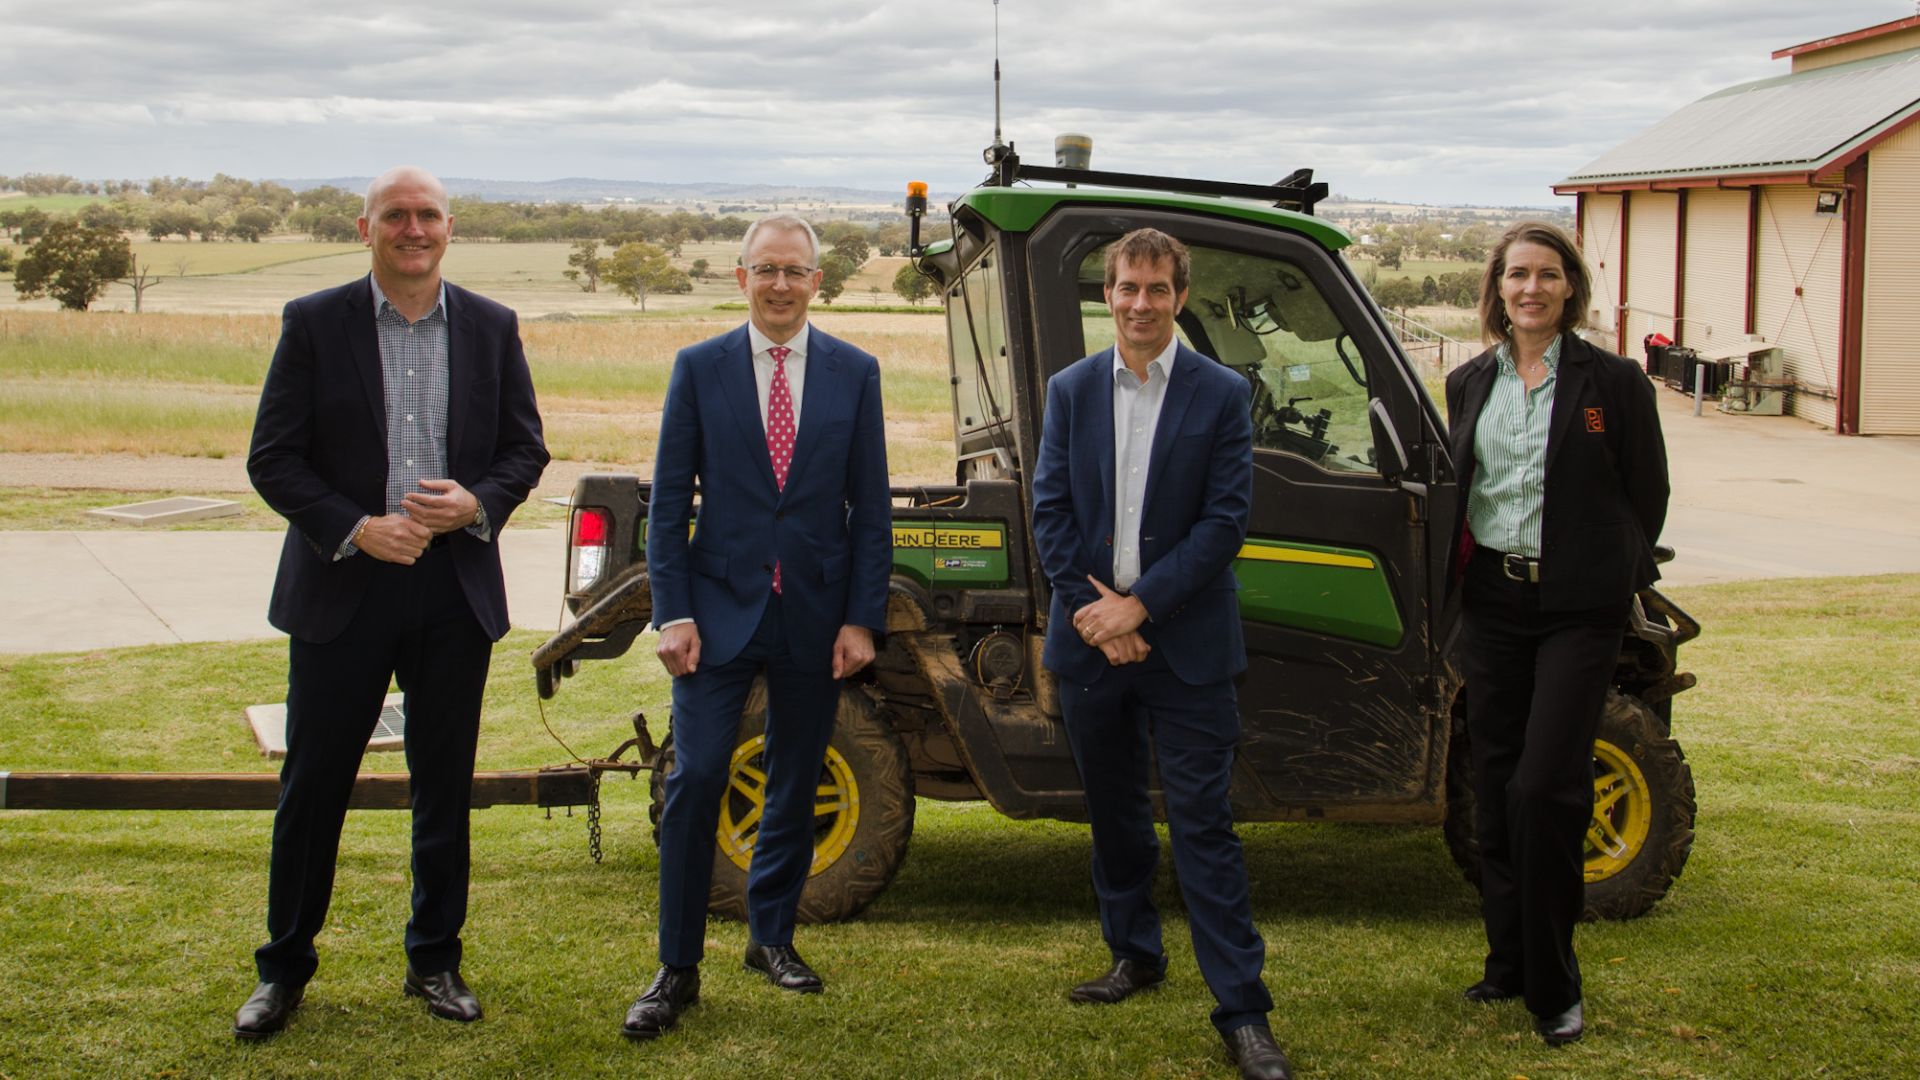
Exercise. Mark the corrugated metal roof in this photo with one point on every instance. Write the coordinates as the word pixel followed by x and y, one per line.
pixel 1781 124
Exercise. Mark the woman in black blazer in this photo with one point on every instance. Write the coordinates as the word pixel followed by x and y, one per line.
pixel 1564 473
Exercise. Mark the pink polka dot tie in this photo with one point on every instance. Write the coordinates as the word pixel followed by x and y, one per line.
pixel 779 428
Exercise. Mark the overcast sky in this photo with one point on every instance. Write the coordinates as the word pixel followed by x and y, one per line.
pixel 1485 103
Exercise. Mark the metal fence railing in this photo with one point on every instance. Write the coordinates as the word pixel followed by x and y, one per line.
pixel 1433 352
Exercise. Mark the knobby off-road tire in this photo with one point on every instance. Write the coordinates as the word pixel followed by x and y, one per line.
pixel 1643 810
pixel 862 824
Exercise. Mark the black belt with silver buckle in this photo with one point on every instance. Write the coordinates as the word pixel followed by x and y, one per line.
pixel 1520 568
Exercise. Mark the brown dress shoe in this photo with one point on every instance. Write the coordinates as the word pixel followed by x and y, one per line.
pixel 783 968
pixel 446 995
pixel 1126 978
pixel 267 1009
pixel 1562 1028
pixel 1258 1056
pixel 671 993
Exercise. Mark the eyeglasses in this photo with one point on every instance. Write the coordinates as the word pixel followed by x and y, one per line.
pixel 794 274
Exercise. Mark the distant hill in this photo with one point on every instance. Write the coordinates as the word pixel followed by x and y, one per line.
pixel 576 189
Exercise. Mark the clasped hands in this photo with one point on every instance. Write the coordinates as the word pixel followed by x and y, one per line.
pixel 1112 625
pixel 401 538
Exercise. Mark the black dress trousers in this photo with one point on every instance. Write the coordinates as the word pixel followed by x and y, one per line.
pixel 1536 685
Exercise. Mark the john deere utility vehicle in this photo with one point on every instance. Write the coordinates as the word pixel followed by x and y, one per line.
pixel 1352 706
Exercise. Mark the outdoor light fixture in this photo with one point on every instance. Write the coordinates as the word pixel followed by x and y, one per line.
pixel 1826 202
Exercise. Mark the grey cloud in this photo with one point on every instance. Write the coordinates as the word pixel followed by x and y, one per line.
pixel 1472 103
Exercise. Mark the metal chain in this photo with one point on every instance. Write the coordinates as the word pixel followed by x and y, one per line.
pixel 593 814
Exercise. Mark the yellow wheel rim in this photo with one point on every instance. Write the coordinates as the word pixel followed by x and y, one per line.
pixel 836 806
pixel 1622 812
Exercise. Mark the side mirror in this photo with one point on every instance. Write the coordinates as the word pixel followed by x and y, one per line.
pixel 1389 452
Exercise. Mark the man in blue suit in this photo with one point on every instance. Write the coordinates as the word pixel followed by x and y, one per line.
pixel 784 577
pixel 397 431
pixel 1140 503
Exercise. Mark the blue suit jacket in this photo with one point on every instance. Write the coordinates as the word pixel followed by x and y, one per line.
pixel 831 528
pixel 1199 493
pixel 319 454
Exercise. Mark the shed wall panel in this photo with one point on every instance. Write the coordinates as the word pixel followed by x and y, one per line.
pixel 1797 294
pixel 1715 305
pixel 1890 322
pixel 1600 236
pixel 1653 219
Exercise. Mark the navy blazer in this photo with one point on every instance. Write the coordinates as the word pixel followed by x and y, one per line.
pixel 1198 497
pixel 1606 496
pixel 319 454
pixel 831 528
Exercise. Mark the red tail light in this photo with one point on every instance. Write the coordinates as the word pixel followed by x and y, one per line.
pixel 590 527
pixel 587 557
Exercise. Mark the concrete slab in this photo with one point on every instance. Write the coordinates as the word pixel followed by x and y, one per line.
pixel 269 724
pixel 172 511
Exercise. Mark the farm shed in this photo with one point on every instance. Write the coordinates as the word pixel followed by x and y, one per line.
pixel 1785 210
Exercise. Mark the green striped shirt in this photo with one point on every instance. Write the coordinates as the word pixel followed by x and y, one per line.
pixel 1510 457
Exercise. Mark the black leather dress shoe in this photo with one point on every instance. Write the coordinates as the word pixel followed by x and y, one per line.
pixel 446 995
pixel 1486 990
pixel 267 1009
pixel 1123 980
pixel 783 968
pixel 1561 1029
pixel 1258 1056
pixel 672 991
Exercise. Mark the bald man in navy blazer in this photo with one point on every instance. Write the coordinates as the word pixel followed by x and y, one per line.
pixel 1141 496
pixel 784 577
pixel 397 432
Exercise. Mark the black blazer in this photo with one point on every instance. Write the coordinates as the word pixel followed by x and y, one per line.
pixel 1606 497
pixel 319 454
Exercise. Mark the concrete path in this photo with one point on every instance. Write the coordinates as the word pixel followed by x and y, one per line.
pixel 64 591
pixel 1754 497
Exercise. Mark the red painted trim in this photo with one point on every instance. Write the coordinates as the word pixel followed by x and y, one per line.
pixel 1847 38
pixel 1580 220
pixel 1731 181
pixel 1680 270
pixel 1620 298
pixel 1853 279
pixel 1847 159
pixel 1753 255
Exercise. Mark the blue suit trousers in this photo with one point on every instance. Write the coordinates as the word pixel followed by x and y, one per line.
pixel 801 705
pixel 1114 724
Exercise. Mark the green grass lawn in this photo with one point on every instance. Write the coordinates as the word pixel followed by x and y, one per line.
pixel 1789 948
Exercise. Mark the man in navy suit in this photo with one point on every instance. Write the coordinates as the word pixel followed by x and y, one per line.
pixel 397 432
pixel 1140 503
pixel 784 577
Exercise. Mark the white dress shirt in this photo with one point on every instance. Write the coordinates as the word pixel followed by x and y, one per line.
pixel 763 369
pixel 1136 415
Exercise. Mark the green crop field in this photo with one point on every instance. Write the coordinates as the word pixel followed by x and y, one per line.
pixel 1786 950
pixel 59 205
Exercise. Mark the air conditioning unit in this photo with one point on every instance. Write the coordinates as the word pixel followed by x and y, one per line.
pixel 1761 386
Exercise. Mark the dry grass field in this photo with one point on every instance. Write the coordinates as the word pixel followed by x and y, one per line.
pixel 186 385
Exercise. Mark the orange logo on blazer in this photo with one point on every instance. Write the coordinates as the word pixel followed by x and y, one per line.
pixel 1596 420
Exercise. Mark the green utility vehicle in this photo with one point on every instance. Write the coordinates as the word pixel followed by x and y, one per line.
pixel 1352 705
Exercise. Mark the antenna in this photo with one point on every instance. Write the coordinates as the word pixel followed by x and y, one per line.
pixel 996 72
pixel 1000 151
